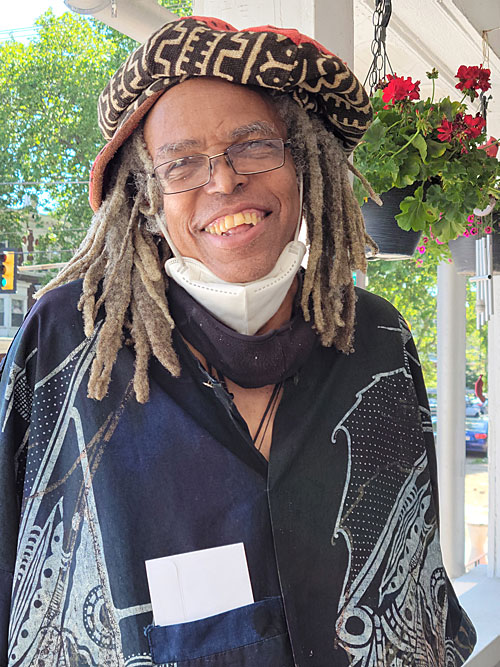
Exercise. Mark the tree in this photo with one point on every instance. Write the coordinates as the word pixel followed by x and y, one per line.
pixel 48 123
pixel 48 119
pixel 412 289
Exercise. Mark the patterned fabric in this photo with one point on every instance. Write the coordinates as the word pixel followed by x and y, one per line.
pixel 279 60
pixel 346 512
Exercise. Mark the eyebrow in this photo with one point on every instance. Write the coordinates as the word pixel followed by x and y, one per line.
pixel 256 127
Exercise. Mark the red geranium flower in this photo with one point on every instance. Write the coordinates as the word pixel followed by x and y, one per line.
pixel 473 78
pixel 400 88
pixel 475 125
pixel 445 130
pixel 490 147
pixel 464 126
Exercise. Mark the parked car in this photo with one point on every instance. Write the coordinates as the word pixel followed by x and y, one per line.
pixel 473 407
pixel 476 436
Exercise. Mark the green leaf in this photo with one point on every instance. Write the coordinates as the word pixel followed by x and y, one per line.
pixel 415 214
pixel 421 145
pixel 436 148
pixel 375 134
pixel 408 171
pixel 446 108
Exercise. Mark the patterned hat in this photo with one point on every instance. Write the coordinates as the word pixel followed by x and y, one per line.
pixel 277 59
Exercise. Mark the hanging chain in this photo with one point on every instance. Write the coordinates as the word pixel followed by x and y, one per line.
pixel 380 63
pixel 483 99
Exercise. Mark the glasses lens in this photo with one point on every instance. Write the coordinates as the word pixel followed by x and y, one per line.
pixel 183 174
pixel 253 157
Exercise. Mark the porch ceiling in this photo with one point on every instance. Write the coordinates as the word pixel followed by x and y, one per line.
pixel 435 33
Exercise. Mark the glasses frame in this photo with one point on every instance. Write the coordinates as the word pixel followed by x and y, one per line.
pixel 226 153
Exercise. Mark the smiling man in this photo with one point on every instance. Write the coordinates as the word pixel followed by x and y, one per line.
pixel 185 385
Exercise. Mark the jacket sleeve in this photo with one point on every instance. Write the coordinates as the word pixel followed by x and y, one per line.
pixel 459 628
pixel 14 425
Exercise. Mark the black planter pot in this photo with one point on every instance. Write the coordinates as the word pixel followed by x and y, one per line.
pixel 463 251
pixel 394 243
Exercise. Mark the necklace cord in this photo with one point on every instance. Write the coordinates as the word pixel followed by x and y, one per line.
pixel 268 412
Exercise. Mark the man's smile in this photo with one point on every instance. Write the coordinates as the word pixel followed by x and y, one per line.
pixel 226 224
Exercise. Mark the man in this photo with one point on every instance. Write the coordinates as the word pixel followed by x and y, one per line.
pixel 241 400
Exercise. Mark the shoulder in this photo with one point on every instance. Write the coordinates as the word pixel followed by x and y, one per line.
pixel 53 327
pixel 373 309
pixel 58 307
pixel 59 303
pixel 380 330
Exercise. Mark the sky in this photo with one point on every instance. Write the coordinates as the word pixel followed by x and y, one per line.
pixel 22 14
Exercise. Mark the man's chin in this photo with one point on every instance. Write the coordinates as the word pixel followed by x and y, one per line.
pixel 240 274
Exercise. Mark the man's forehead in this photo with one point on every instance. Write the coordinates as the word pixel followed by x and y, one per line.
pixel 201 114
pixel 260 128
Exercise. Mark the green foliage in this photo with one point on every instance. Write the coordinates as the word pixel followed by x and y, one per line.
pixel 181 8
pixel 415 214
pixel 412 290
pixel 48 124
pixel 48 119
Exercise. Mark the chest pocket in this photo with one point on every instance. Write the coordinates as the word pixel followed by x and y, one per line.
pixel 252 635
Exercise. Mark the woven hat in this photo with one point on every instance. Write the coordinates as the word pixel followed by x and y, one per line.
pixel 277 59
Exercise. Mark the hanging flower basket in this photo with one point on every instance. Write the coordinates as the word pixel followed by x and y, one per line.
pixel 463 250
pixel 435 142
pixel 394 243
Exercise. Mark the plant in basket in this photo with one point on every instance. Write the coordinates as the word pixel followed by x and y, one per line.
pixel 437 147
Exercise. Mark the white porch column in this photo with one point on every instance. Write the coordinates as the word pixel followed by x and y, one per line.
pixel 331 23
pixel 451 415
pixel 494 434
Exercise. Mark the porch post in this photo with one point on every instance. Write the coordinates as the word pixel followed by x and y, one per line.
pixel 451 415
pixel 494 434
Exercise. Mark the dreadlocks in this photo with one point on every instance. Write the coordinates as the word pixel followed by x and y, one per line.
pixel 121 257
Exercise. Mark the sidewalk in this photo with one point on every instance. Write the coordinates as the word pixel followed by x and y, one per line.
pixel 476 509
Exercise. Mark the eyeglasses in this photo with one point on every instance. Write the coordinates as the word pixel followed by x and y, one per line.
pixel 195 171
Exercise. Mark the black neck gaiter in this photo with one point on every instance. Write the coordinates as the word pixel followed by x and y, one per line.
pixel 249 361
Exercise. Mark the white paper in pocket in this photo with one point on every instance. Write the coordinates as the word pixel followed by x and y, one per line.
pixel 194 585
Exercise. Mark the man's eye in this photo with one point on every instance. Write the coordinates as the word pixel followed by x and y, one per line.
pixel 259 147
pixel 175 170
pixel 177 166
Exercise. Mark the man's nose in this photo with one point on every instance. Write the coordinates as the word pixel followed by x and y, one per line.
pixel 223 178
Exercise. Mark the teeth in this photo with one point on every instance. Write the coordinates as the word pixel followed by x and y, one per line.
pixel 230 221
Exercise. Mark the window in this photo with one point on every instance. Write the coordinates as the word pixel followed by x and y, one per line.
pixel 17 312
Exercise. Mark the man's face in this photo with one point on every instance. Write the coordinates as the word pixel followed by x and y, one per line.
pixel 207 115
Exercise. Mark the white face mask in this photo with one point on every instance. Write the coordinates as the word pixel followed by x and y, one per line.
pixel 244 307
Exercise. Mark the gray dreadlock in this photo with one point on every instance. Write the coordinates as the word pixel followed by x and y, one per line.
pixel 123 253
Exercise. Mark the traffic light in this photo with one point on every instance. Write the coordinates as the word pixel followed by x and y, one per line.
pixel 8 267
